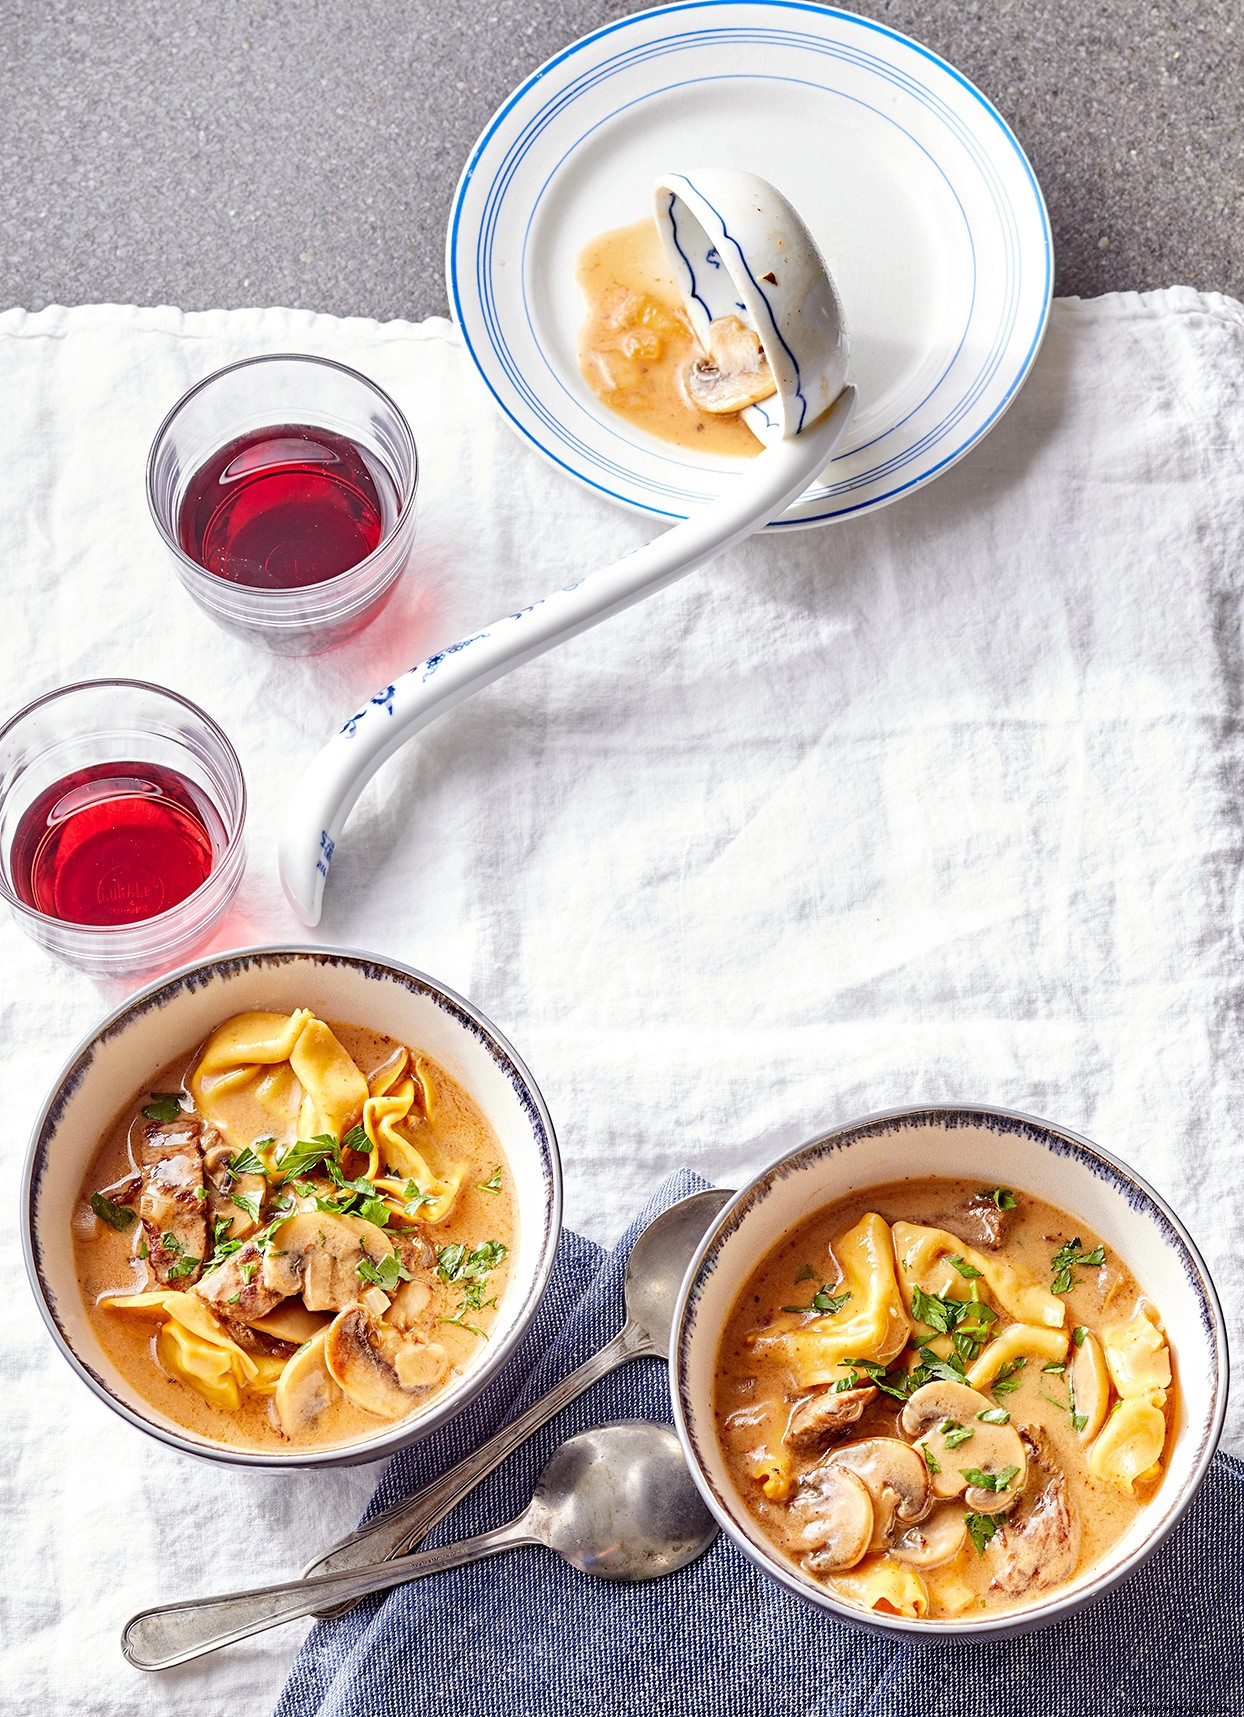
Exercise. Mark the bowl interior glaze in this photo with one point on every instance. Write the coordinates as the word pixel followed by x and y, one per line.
pixel 995 1148
pixel 175 1015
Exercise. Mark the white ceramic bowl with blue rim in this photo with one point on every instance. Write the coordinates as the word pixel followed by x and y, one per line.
pixel 917 192
pixel 994 1147
pixel 174 1015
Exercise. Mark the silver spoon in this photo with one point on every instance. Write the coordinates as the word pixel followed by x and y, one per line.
pixel 616 1502
pixel 654 1273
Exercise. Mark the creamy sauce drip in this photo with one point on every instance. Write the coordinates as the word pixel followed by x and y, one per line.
pixel 106 1263
pixel 747 1379
pixel 636 344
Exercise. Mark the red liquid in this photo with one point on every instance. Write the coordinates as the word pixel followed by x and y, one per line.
pixel 113 844
pixel 281 508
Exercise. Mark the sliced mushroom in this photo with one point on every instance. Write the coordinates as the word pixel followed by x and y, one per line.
pixel 897 1481
pixel 409 1304
pixel 1090 1386
pixel 318 1255
pixel 379 1368
pixel 833 1518
pixel 820 1419
pixel 234 1198
pixel 934 1541
pixel 291 1321
pixel 736 372
pixel 305 1389
pixel 938 1410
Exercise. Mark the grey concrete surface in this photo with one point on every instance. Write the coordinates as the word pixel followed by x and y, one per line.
pixel 227 152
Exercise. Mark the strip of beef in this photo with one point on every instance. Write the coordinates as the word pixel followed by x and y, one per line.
pixel 824 1418
pixel 237 1199
pixel 236 1290
pixel 1039 1544
pixel 980 1223
pixel 172 1201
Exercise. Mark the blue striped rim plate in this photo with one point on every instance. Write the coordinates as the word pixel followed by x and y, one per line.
pixel 922 200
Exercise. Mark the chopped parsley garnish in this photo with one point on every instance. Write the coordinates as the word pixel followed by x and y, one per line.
pixel 184 1264
pixel 115 1215
pixel 245 1162
pixel 164 1106
pixel 1067 1258
pixel 823 1301
pixel 200 1192
pixel 144 1251
pixel 356 1140
pixel 492 1184
pixel 981 1528
pixel 966 1322
pixel 1008 1379
pixel 386 1274
pixel 414 1199
pixel 806 1274
pixel 968 1271
pixel 249 1271
pixel 981 1480
pixel 930 1459
pixel 1001 1196
pixel 247 1201
pixel 305 1154
pixel 995 1416
pixel 954 1433
pixel 222 1246
pixel 469 1270
pixel 1078 1334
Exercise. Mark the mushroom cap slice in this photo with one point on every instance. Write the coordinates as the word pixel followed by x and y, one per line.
pixel 933 1541
pixel 938 1409
pixel 305 1388
pixel 379 1368
pixel 833 1517
pixel 317 1255
pixel 735 373
pixel 1090 1386
pixel 897 1481
pixel 823 1417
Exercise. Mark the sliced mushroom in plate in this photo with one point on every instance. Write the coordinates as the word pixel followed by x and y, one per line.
pixel 823 1417
pixel 734 374
pixel 934 1541
pixel 896 1479
pixel 235 1198
pixel 318 1255
pixel 1089 1383
pixel 833 1516
pixel 938 1411
pixel 381 1369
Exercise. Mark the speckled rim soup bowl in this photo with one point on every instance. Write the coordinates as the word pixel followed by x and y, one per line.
pixel 174 1015
pixel 994 1147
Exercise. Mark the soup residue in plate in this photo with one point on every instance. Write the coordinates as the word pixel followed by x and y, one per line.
pixel 637 347
pixel 296 1235
pixel 942 1400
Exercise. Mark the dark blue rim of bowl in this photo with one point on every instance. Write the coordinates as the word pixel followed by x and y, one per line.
pixel 191 976
pixel 1062 1141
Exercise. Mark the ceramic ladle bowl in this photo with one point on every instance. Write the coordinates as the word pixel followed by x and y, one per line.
pixel 738 249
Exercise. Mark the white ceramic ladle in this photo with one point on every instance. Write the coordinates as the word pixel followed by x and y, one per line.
pixel 737 248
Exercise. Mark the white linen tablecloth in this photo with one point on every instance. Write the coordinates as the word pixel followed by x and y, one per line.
pixel 946 803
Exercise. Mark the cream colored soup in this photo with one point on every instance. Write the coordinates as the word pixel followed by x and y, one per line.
pixel 271 1309
pixel 910 1336
pixel 636 345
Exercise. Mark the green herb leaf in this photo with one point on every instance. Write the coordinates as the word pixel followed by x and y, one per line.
pixel 930 1459
pixel 304 1154
pixel 982 1480
pixel 1002 1196
pixel 245 1162
pixel 1067 1258
pixel 386 1274
pixel 200 1192
pixel 1056 1367
pixel 966 1270
pixel 823 1301
pixel 115 1215
pixel 164 1106
pixel 247 1201
pixel 1078 1334
pixel 144 1251
pixel 375 1210
pixel 955 1433
pixel 1008 1379
pixel 356 1140
pixel 492 1184
pixel 995 1416
pixel 806 1274
pixel 981 1528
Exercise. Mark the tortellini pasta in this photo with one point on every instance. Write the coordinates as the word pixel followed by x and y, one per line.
pixel 923 1262
pixel 1018 1341
pixel 884 1585
pixel 1138 1359
pixel 194 1346
pixel 1130 1443
pixel 872 1324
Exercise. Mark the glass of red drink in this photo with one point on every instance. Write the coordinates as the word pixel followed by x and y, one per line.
pixel 284 489
pixel 122 813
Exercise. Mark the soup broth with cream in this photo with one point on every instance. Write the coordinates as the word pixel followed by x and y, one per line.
pixel 297 1234
pixel 941 1399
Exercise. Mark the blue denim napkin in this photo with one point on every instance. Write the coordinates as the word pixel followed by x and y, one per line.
pixel 524 1636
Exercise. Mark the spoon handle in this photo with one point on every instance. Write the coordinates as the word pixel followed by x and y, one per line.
pixel 337 774
pixel 169 1634
pixel 401 1527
